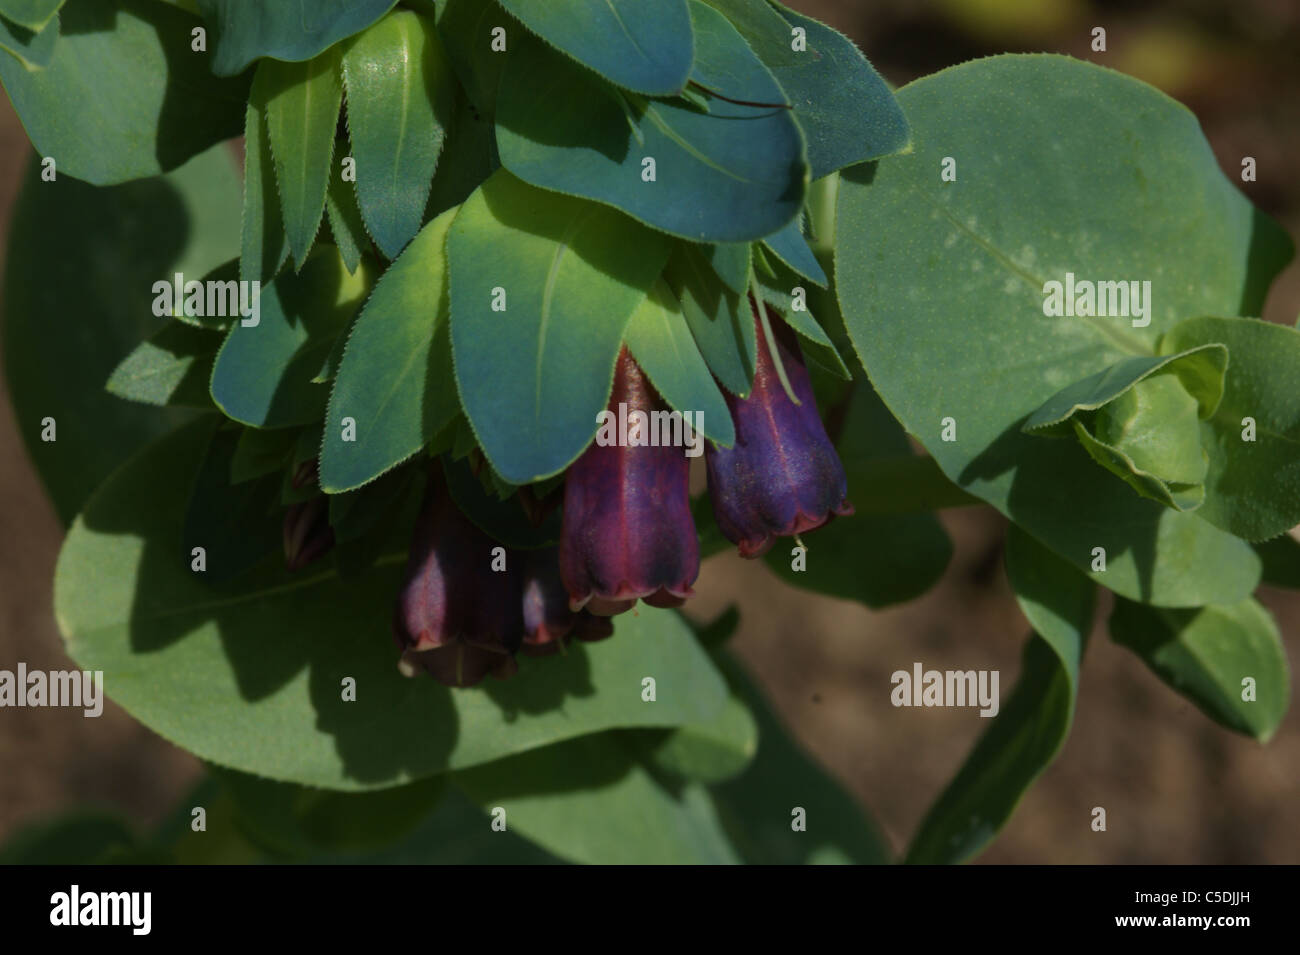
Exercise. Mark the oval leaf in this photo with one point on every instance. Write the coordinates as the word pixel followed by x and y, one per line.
pixel 400 99
pixel 302 113
pixel 123 96
pixel 732 174
pixel 1228 660
pixel 643 47
pixel 719 319
pixel 1253 437
pixel 292 30
pixel 661 342
pixel 588 800
pixel 31 14
pixel 395 381
pixel 264 372
pixel 542 287
pixel 78 251
pixel 32 50
pixel 949 314
pixel 250 678
pixel 846 110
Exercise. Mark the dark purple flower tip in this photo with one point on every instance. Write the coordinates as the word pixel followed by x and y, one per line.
pixel 308 472
pixel 460 664
pixel 307 532
pixel 459 592
pixel 628 532
pixel 547 616
pixel 782 476
pixel 587 627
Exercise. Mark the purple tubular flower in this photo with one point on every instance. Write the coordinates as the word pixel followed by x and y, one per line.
pixel 782 477
pixel 547 616
pixel 627 531
pixel 457 617
pixel 549 623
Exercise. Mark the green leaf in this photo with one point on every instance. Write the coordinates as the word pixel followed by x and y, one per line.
pixel 302 112
pixel 660 340
pixel 533 378
pixel 1032 725
pixel 31 14
pixel 261 452
pixel 876 559
pixel 250 678
pixel 734 174
pixel 589 801
pixel 467 165
pixel 779 293
pixel 1281 558
pixel 1208 654
pixel 720 320
pixel 1252 489
pixel 122 96
pixel 466 29
pixel 1055 598
pixel 1140 419
pixel 730 262
pixel 170 368
pixel 646 48
pixel 76 251
pixel 395 380
pixel 219 306
pixel 236 524
pixel 456 833
pixel 354 514
pixel 791 247
pixel 948 315
pixel 263 373
pixel 400 93
pixel 845 108
pixel 756 807
pixel 264 245
pixel 295 821
pixel 246 30
pixel 1200 370
pixel 32 49
pixel 502 520
pixel 81 837
pixel 344 217
pixel 710 752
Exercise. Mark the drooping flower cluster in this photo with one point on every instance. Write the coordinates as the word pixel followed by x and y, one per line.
pixel 468 604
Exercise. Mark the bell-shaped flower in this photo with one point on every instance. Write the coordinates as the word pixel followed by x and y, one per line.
pixel 628 532
pixel 782 476
pixel 460 611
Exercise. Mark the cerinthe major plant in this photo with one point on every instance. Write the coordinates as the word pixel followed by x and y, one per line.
pixel 498 272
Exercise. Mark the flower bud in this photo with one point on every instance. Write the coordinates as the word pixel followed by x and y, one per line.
pixel 306 528
pixel 456 616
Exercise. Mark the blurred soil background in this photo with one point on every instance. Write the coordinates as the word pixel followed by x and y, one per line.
pixel 1177 789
